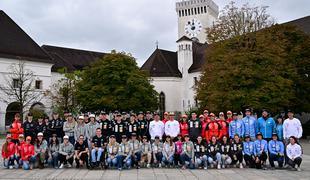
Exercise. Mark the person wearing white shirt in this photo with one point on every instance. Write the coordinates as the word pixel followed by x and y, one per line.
pixel 156 127
pixel 291 127
pixel 294 153
pixel 172 127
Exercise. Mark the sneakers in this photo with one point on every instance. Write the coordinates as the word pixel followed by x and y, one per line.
pixel 159 165
pixel 69 166
pixel 119 169
pixel 241 166
pixel 205 168
pixel 298 169
pixel 218 166
pixel 223 166
pixel 61 166
pixel 10 167
pixel 148 165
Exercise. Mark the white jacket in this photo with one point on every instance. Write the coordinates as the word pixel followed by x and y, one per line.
pixel 293 151
pixel 172 128
pixel 292 127
pixel 156 128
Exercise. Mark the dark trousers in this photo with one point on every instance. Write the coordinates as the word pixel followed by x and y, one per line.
pixel 177 159
pixel 297 161
pixel 159 157
pixel 275 157
pixel 249 160
pixel 136 158
pixel 84 158
pixel 63 160
pixel 262 158
pixel 238 156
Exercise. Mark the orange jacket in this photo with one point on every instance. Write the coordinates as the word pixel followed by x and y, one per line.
pixel 16 129
pixel 10 150
pixel 27 150
pixel 203 129
pixel 212 129
pixel 224 128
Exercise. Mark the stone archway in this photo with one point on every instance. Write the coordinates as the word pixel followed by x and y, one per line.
pixel 11 110
pixel 37 109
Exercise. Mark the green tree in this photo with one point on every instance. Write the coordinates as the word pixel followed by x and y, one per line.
pixel 264 69
pixel 63 93
pixel 235 21
pixel 116 82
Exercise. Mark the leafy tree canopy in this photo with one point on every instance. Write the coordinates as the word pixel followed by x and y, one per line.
pixel 116 82
pixel 264 69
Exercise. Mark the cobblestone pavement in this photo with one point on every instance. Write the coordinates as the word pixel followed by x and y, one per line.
pixel 162 174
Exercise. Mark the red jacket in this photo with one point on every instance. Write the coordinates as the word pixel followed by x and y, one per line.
pixel 212 129
pixel 27 150
pixel 224 128
pixel 16 129
pixel 229 120
pixel 10 150
pixel 19 147
pixel 183 128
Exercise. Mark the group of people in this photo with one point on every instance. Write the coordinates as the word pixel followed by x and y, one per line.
pixel 145 140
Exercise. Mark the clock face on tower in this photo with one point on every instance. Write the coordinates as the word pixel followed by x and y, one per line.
pixel 193 27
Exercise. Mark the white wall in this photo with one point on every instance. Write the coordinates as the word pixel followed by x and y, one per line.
pixel 171 87
pixel 41 71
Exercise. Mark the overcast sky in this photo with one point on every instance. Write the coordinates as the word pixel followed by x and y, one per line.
pixel 126 25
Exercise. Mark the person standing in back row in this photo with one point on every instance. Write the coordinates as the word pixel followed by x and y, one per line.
pixel 291 127
pixel 172 127
pixel 249 124
pixel 194 125
pixel 266 125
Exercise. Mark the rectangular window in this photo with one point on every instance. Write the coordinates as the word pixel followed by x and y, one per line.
pixel 205 9
pixel 38 84
pixel 15 83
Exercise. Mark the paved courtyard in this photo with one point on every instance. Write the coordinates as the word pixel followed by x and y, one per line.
pixel 162 174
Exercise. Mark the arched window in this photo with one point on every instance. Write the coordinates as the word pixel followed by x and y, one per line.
pixel 162 102
pixel 205 9
pixel 11 110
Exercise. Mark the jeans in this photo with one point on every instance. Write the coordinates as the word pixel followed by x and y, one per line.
pixel 31 161
pixel 72 140
pixel 274 157
pixel 215 159
pixel 158 157
pixel 112 162
pixel 9 162
pixel 168 160
pixel 53 161
pixel 93 154
pixel 185 158
pixel 226 159
pixel 201 161
pixel 121 161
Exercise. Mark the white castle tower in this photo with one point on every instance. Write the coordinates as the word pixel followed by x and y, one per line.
pixel 194 16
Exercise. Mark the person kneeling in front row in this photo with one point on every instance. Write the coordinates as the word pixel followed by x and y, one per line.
pixel 188 153
pixel 276 151
pixel 81 152
pixel 66 152
pixel 294 153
